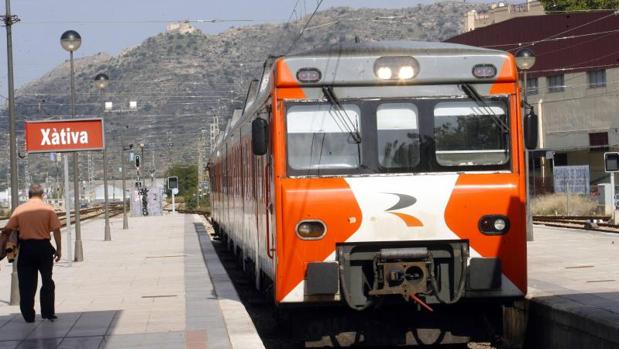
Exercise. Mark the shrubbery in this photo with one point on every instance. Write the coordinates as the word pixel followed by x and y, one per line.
pixel 559 204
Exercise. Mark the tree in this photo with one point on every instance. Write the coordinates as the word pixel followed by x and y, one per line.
pixel 574 5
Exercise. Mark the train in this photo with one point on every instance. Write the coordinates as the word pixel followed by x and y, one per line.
pixel 380 173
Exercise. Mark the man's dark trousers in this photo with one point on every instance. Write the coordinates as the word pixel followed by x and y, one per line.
pixel 35 256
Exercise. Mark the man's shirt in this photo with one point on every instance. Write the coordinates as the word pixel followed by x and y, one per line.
pixel 34 219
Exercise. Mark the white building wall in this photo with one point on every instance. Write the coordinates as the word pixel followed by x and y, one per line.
pixel 569 116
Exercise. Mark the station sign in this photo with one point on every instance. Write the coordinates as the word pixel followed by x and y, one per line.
pixel 572 179
pixel 64 135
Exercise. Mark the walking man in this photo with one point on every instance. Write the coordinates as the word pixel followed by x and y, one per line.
pixel 35 220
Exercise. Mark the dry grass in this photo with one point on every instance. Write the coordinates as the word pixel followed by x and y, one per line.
pixel 559 204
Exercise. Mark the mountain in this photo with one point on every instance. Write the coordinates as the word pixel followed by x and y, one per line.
pixel 183 78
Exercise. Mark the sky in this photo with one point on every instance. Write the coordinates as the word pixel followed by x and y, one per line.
pixel 113 25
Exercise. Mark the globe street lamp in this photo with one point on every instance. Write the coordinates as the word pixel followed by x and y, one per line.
pixel 101 82
pixel 525 60
pixel 71 41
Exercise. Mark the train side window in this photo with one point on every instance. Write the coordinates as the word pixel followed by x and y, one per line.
pixel 398 135
pixel 468 135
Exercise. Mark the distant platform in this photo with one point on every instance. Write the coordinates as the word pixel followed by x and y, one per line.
pixel 573 289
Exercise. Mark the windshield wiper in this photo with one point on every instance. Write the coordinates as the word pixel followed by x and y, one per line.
pixel 472 93
pixel 341 116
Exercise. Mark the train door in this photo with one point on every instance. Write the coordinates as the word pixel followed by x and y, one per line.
pixel 269 198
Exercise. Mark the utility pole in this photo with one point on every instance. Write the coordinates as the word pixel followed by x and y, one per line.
pixel 201 150
pixel 122 161
pixel 9 20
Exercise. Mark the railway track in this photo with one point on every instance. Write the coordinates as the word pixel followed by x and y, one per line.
pixel 92 212
pixel 85 213
pixel 596 223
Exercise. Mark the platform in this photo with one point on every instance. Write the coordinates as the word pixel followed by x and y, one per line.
pixel 573 289
pixel 158 284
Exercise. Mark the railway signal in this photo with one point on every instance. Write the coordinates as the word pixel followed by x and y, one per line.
pixel 173 187
pixel 611 165
pixel 611 162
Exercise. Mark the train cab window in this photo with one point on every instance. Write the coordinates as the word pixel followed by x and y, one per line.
pixel 467 134
pixel 323 137
pixel 397 135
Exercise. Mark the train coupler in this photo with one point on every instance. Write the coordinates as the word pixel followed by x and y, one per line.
pixel 401 271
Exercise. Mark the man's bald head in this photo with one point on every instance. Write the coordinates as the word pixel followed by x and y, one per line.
pixel 36 190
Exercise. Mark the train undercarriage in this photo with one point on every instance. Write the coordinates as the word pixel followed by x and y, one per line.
pixel 395 295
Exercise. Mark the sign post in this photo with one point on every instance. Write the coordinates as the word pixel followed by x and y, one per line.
pixel 611 165
pixel 62 136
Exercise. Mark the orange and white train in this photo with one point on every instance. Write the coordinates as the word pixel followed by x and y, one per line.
pixel 383 171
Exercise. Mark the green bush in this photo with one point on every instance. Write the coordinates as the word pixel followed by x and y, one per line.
pixel 560 204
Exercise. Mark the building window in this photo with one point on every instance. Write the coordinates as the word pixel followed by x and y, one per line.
pixel 560 159
pixel 556 83
pixel 532 87
pixel 598 141
pixel 596 78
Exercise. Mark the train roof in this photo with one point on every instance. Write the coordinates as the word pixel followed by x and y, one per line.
pixel 358 64
pixel 438 63
pixel 394 48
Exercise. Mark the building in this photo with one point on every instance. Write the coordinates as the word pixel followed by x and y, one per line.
pixel 574 84
pixel 500 12
pixel 183 27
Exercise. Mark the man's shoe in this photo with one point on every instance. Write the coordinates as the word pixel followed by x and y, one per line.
pixel 29 320
pixel 50 317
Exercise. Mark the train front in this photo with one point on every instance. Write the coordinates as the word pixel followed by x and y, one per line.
pixel 399 176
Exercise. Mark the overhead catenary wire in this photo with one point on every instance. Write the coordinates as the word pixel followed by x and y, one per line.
pixel 302 31
pixel 156 21
pixel 568 37
pixel 279 40
pixel 614 13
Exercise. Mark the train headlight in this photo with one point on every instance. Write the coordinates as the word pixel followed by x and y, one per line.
pixel 309 75
pixel 500 224
pixel 494 225
pixel 484 71
pixel 384 73
pixel 406 72
pixel 397 68
pixel 311 229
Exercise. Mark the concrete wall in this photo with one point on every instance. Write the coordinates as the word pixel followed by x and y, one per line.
pixel 496 14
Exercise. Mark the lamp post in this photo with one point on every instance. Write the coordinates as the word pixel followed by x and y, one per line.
pixel 525 60
pixel 101 82
pixel 71 41
pixel 8 21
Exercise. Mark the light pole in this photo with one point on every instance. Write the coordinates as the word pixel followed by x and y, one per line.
pixel 71 41
pixel 525 60
pixel 132 107
pixel 101 82
pixel 9 20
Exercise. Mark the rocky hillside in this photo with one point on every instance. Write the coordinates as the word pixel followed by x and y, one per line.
pixel 182 80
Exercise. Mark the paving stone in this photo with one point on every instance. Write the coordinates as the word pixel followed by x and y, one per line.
pixel 147 288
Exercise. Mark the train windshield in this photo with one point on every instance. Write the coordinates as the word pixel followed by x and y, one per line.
pixel 398 136
pixel 467 134
pixel 321 137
